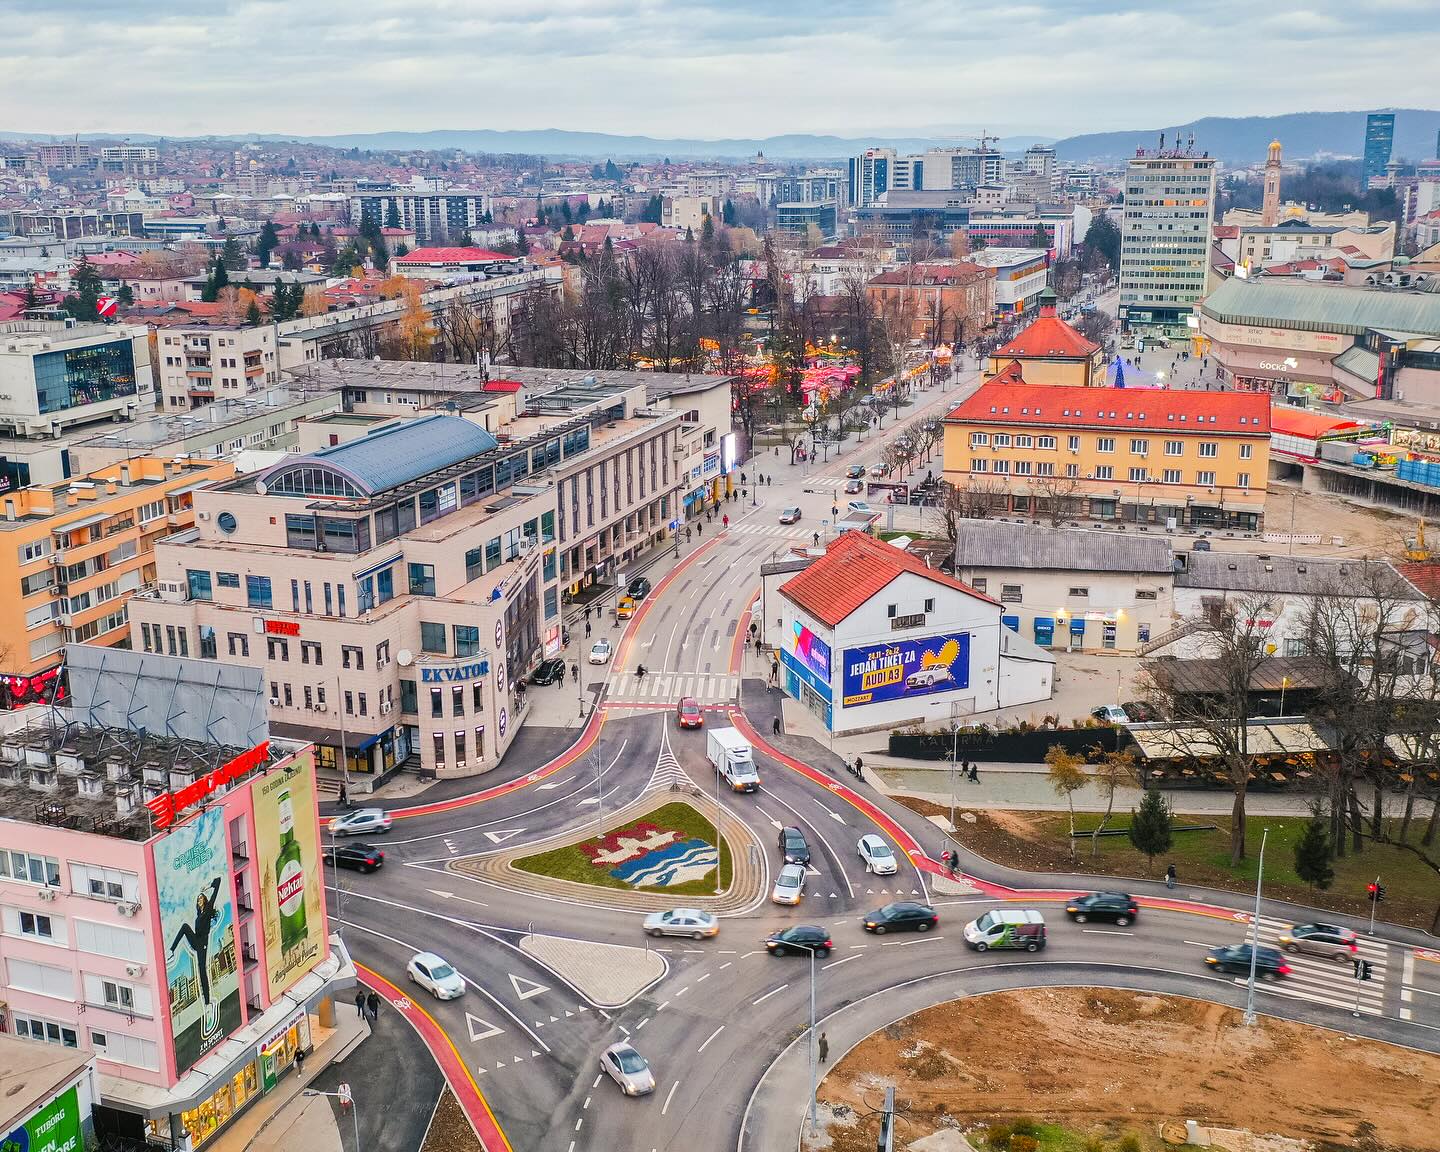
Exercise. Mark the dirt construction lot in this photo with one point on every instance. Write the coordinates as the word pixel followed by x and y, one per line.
pixel 1105 1064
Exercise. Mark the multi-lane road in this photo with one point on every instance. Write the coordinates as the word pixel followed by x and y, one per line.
pixel 723 1009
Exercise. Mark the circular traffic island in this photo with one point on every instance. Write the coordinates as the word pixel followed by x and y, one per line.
pixel 1108 1070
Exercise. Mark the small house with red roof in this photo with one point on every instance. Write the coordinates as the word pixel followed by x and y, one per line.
pixel 1050 351
pixel 870 638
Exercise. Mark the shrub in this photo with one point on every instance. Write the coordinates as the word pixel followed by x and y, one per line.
pixel 1129 1143
pixel 998 1136
pixel 1094 1144
pixel 1022 1143
pixel 1025 1126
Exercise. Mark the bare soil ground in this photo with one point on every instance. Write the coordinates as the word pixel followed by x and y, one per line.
pixel 450 1131
pixel 1107 1063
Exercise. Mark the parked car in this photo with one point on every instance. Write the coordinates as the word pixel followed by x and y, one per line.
pixel 855 472
pixel 361 857
pixel 793 846
pixel 624 608
pixel 600 652
pixel 1235 959
pixel 360 821
pixel 854 486
pixel 435 975
pixel 789 884
pixel 1328 940
pixel 548 671
pixel 638 588
pixel 877 471
pixel 692 922
pixel 1140 712
pixel 628 1069
pixel 801 939
pixel 929 677
pixel 790 515
pixel 1110 714
pixel 1115 907
pixel 901 916
pixel 877 855
pixel 688 714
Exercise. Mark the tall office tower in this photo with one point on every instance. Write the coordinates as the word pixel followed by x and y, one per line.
pixel 1379 137
pixel 1165 236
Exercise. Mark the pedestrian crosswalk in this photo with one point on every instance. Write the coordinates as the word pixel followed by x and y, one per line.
pixel 667 687
pixel 787 531
pixel 1325 981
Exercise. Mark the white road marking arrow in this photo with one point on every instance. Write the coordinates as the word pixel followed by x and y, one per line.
pixel 503 835
pixel 480 1029
pixel 451 896
pixel 525 988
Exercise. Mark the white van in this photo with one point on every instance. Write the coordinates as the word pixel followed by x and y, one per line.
pixel 1012 928
pixel 733 758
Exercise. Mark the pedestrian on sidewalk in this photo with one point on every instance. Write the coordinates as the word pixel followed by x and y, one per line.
pixel 1170 875
pixel 372 1003
pixel 974 773
pixel 822 1047
pixel 587 629
pixel 300 1061
pixel 575 672
pixel 344 795
pixel 775 726
pixel 360 1002
pixel 561 681
pixel 954 864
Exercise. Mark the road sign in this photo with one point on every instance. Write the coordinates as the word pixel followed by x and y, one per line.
pixel 106 306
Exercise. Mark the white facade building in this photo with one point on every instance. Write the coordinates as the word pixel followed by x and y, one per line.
pixel 56 374
pixel 1165 237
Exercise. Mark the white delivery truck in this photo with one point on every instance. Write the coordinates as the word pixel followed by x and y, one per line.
pixel 731 754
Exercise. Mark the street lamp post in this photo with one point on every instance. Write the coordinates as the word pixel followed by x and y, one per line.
pixel 599 783
pixel 346 1097
pixel 1255 933
pixel 718 849
pixel 811 1039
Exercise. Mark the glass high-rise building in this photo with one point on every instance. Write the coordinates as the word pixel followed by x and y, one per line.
pixel 1165 238
pixel 1379 138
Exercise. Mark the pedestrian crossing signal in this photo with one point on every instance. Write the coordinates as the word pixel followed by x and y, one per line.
pixel 1362 970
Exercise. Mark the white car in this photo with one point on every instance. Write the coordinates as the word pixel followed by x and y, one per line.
pixel 929 677
pixel 859 508
pixel 789 884
pixel 434 974
pixel 360 821
pixel 600 652
pixel 690 922
pixel 628 1069
pixel 1111 714
pixel 877 855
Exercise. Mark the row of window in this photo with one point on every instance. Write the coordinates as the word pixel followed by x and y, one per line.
pixel 1014 593
pixel 1203 478
pixel 1138 446
pixel 85 879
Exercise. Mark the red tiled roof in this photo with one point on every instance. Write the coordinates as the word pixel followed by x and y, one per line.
pixel 450 256
pixel 503 386
pixel 1153 409
pixel 1424 574
pixel 1226 231
pixel 922 275
pixel 1048 335
pixel 854 568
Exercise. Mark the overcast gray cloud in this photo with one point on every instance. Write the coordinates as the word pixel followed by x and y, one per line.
pixel 701 68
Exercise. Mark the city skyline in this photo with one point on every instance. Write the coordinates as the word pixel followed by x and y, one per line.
pixel 664 67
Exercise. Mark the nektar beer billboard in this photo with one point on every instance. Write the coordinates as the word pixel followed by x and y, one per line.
pixel 291 886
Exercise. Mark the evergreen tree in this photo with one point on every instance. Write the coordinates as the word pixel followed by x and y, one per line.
pixel 82 302
pixel 232 255
pixel 653 211
pixel 1151 828
pixel 612 172
pixel 1312 854
pixel 402 249
pixel 728 216
pixel 392 215
pixel 266 244
pixel 522 245
pixel 217 278
pixel 466 241
pixel 252 314
pixel 583 212
pixel 1040 238
pixel 487 218
pixel 567 233
pixel 31 300
pixel 1103 239
pixel 565 213
pixel 596 172
pixel 125 294
pixel 707 230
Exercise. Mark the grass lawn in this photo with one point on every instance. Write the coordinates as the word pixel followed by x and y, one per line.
pixel 569 863
pixel 1039 841
pixel 1048 1138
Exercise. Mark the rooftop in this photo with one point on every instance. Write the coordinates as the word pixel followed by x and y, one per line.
pixel 1148 409
pixel 1294 575
pixel 150 432
pixel 34 1073
pixel 1048 337
pixel 1322 307
pixel 452 256
pixel 854 568
pixel 992 544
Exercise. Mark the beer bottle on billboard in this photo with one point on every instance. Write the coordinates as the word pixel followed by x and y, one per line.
pixel 289 879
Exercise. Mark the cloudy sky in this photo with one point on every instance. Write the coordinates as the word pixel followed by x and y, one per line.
pixel 701 68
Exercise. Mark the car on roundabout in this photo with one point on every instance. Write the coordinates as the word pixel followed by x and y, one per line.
pixel 877 855
pixel 789 885
pixel 631 1071
pixel 435 974
pixel 692 922
pixel 901 916
pixel 1115 907
pixel 854 486
pixel 600 652
pixel 688 714
pixel 1234 959
pixel 801 940
pixel 792 845
pixel 358 856
pixel 360 821
pixel 859 508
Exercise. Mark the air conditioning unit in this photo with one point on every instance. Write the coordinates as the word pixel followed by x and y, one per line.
pixel 274 701
pixel 322 708
pixel 46 894
pixel 202 515
pixel 56 558
pixel 135 970
pixel 384 708
pixel 127 908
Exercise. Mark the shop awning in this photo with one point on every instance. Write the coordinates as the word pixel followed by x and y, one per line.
pixel 1077 627
pixel 1011 622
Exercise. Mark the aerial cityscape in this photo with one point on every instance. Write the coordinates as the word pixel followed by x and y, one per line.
pixel 600 580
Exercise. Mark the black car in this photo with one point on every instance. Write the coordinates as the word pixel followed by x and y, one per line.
pixel 1113 906
pixel 1235 958
pixel 361 857
pixel 793 846
pixel 548 671
pixel 638 589
pixel 901 916
pixel 803 938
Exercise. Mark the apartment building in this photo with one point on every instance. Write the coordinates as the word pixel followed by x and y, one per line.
pixel 690 211
pixel 57 374
pixel 72 555
pixel 434 217
pixel 1146 456
pixel 200 362
pixel 1165 238
pixel 937 302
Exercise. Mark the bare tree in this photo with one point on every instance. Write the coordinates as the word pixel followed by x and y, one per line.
pixel 1057 498
pixel 976 499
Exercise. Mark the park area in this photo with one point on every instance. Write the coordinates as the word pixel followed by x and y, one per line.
pixel 1039 841
pixel 1102 1070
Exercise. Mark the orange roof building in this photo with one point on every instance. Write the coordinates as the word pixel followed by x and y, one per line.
pixel 1050 351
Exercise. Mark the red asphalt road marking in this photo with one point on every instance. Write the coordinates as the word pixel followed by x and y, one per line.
pixel 442 1048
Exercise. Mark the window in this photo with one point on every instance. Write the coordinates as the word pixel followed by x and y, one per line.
pixel 1209 448
pixel 979 464
pixel 1073 443
pixel 103 883
pixel 1174 447
pixel 239 643
pixel 277 649
pixel 1172 475
pixel 1011 593
pixel 46 1030
pixel 929 604
pixel 979 439
pixel 28 868
pixel 227 579
pixel 1139 475
pixel 1243 480
pixel 37 926
pixel 477 696
pixel 385 585
pixel 467 640
pixel 349 703
pixel 199 584
pixel 422 580
pixel 1047 442
pixel 1105 444
pixel 1205 478
pixel 122 1049
pixel 980 583
pixel 407 697
pixel 1146 594
pixel 311 653
pixel 382 654
pixel 1246 450
pixel 1072 471
pixel 1104 472
pixel 473 565
pixel 257 592
pixel 439 738
pixel 1139 447
pixel 42 979
pixel 432 637
pixel 364 706
pixel 1022 467
pixel 1024 441
pixel 352 656
pixel 207 643
pixel 457 699
pixel 1002 440
pixel 437 703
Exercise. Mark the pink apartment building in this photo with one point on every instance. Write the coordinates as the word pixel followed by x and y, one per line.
pixel 162 906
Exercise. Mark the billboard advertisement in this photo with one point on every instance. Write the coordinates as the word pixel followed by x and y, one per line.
pixel 810 650
pixel 55 1128
pixel 291 888
pixel 903 669
pixel 197 920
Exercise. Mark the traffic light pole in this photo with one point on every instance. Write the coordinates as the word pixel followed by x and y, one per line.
pixel 1374 903
pixel 1359 979
pixel 1255 933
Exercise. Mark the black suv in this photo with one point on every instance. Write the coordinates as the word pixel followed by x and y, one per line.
pixel 639 588
pixel 1113 906
pixel 901 916
pixel 803 938
pixel 548 671
pixel 361 857
pixel 793 846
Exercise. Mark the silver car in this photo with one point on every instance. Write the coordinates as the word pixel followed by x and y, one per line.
pixel 628 1069
pixel 690 922
pixel 1328 940
pixel 789 884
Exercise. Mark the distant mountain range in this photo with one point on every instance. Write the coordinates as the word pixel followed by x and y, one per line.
pixel 1237 141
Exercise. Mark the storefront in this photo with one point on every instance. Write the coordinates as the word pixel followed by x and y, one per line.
pixel 805 685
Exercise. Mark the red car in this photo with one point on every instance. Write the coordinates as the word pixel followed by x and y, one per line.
pixel 687 714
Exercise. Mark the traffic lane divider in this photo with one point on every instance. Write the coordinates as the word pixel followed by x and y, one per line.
pixel 447 1056
pixel 628 635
